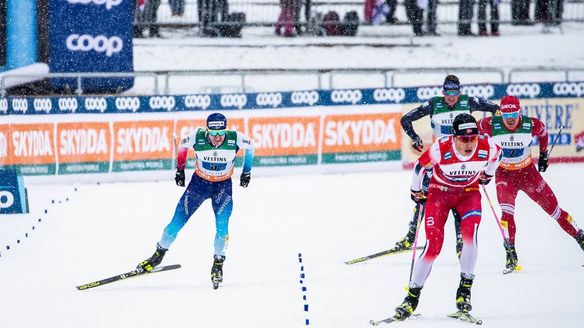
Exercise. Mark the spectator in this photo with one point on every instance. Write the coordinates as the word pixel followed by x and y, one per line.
pixel 494 17
pixel 390 17
pixel 145 15
pixel 520 12
pixel 465 13
pixel 288 19
pixel 210 13
pixel 177 7
pixel 415 13
pixel 549 11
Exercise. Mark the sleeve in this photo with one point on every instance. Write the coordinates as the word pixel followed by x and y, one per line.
pixel 482 105
pixel 495 155
pixel 540 132
pixel 183 149
pixel 415 114
pixel 244 142
pixel 428 159
pixel 485 126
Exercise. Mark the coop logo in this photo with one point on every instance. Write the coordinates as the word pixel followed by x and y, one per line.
pixel 109 4
pixel 234 100
pixel 94 104
pixel 127 104
pixel 269 99
pixel 428 93
pixel 305 97
pixel 392 95
pixel 198 101
pixel 42 105
pixel 68 104
pixel 19 105
pixel 100 43
pixel 4 105
pixel 482 91
pixel 6 199
pixel 569 89
pixel 167 103
pixel 526 90
pixel 346 96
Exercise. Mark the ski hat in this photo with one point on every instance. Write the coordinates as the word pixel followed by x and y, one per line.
pixel 451 82
pixel 465 125
pixel 509 104
pixel 216 121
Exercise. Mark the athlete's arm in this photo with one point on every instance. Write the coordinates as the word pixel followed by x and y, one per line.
pixel 415 114
pixel 540 132
pixel 482 105
pixel 183 149
pixel 485 126
pixel 244 142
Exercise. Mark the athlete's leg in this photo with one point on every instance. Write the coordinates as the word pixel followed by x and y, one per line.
pixel 541 193
pixel 437 208
pixel 197 191
pixel 459 242
pixel 470 209
pixel 222 206
pixel 507 189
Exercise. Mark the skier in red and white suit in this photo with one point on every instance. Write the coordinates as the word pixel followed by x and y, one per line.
pixel 517 172
pixel 459 163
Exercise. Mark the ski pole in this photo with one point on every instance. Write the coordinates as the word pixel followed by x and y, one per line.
pixel 494 213
pixel 421 210
pixel 555 140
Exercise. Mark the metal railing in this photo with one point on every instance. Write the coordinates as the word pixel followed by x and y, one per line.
pixel 321 75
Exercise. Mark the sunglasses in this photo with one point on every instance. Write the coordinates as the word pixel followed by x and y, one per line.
pixel 467 139
pixel 451 92
pixel 510 115
pixel 216 132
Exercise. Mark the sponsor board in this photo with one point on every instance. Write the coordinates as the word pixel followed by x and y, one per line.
pixel 289 140
pixel 361 138
pixel 83 147
pixel 4 145
pixel 13 199
pixel 142 145
pixel 31 148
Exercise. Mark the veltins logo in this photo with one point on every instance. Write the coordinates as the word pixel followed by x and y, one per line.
pixel 109 4
pixel 42 105
pixel 95 104
pixel 128 104
pixel 392 95
pixel 305 97
pixel 346 96
pixel 234 100
pixel 198 101
pixel 269 99
pixel 569 89
pixel 162 102
pixel 530 90
pixel 68 104
pixel 99 43
pixel 428 92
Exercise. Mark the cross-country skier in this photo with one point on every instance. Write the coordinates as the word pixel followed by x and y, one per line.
pixel 459 163
pixel 514 133
pixel 215 149
pixel 442 111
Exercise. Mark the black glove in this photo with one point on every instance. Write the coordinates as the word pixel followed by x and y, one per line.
pixel 484 178
pixel 417 144
pixel 179 178
pixel 419 197
pixel 244 179
pixel 542 164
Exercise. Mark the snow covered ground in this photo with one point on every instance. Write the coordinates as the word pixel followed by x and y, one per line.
pixel 96 231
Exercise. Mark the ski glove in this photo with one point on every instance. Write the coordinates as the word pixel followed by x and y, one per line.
pixel 179 178
pixel 244 179
pixel 419 197
pixel 542 164
pixel 484 178
pixel 417 144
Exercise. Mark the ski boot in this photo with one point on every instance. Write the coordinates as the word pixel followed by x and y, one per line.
pixel 409 305
pixel 406 242
pixel 217 270
pixel 511 262
pixel 580 239
pixel 154 260
pixel 463 295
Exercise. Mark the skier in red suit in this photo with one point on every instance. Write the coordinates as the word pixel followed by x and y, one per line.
pixel 517 172
pixel 459 163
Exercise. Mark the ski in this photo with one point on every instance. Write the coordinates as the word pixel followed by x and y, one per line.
pixel 392 319
pixel 513 269
pixel 465 316
pixel 390 251
pixel 131 274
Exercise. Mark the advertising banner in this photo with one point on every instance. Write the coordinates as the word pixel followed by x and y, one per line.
pixel 143 145
pixel 91 36
pixel 83 147
pixel 31 150
pixel 13 198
